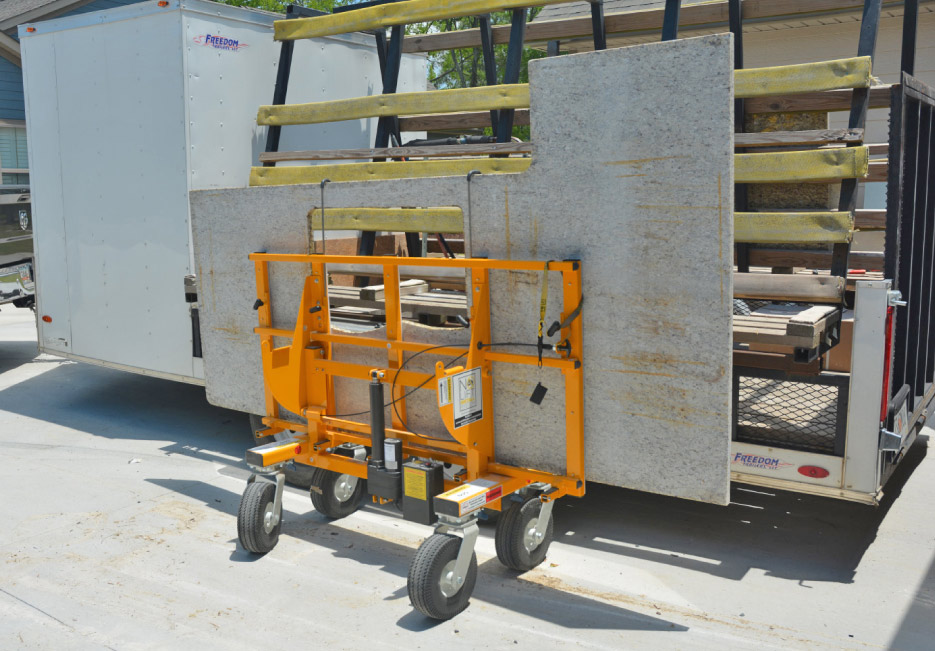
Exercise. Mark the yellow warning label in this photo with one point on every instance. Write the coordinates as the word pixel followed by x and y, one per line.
pixel 414 484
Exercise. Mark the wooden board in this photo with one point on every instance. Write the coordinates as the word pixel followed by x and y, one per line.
pixel 406 288
pixel 812 259
pixel 794 138
pixel 443 219
pixel 389 15
pixel 829 100
pixel 315 174
pixel 793 227
pixel 510 96
pixel 712 13
pixel 400 152
pixel 870 220
pixel 788 287
pixel 802 78
pixel 800 166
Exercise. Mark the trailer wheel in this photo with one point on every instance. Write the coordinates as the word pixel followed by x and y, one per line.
pixel 255 518
pixel 432 587
pixel 334 495
pixel 517 545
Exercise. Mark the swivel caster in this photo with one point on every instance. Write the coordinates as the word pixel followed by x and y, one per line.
pixel 524 533
pixel 259 519
pixel 443 573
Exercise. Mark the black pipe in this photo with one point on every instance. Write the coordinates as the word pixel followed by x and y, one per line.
pixel 377 422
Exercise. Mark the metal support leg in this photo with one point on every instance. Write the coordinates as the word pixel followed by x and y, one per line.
pixel 514 60
pixel 741 203
pixel 469 532
pixel 276 516
pixel 597 24
pixel 670 20
pixel 490 63
pixel 910 27
pixel 860 105
pixel 537 533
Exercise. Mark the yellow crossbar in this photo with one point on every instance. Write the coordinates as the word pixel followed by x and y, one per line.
pixel 508 96
pixel 756 82
pixel 296 175
pixel 803 78
pixel 793 227
pixel 389 15
pixel 395 220
pixel 802 166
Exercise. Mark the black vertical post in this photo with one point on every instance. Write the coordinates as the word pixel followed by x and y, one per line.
pixel 921 258
pixel 552 48
pixel 514 62
pixel 926 320
pixel 597 24
pixel 390 125
pixel 390 60
pixel 860 105
pixel 490 63
pixel 907 234
pixel 910 27
pixel 670 20
pixel 380 36
pixel 891 263
pixel 281 88
pixel 377 422
pixel 741 202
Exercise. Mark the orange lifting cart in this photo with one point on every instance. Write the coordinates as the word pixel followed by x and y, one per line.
pixel 353 460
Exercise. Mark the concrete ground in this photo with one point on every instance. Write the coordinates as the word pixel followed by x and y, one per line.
pixel 118 503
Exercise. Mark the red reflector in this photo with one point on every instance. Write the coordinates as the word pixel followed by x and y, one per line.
pixel 30 29
pixel 298 449
pixel 47 318
pixel 163 3
pixel 857 272
pixel 813 471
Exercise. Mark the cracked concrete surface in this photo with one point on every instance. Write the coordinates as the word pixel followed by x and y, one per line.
pixel 119 498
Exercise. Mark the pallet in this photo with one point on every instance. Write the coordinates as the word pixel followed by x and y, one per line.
pixel 786 326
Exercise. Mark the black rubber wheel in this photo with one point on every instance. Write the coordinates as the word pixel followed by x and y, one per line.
pixel 514 536
pixel 298 474
pixel 334 495
pixel 254 518
pixel 430 590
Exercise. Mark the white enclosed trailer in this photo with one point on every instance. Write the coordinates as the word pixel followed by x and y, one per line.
pixel 127 111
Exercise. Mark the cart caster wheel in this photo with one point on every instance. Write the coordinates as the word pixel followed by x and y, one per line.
pixel 518 547
pixel 432 587
pixel 336 496
pixel 255 519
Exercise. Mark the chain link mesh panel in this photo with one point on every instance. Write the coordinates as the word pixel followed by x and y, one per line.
pixel 793 415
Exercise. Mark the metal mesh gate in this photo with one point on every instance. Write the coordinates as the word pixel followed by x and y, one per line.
pixel 777 409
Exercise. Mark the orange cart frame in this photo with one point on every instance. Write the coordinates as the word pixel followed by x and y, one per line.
pixel 299 378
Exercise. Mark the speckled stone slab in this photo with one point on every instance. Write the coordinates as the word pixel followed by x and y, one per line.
pixel 632 174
